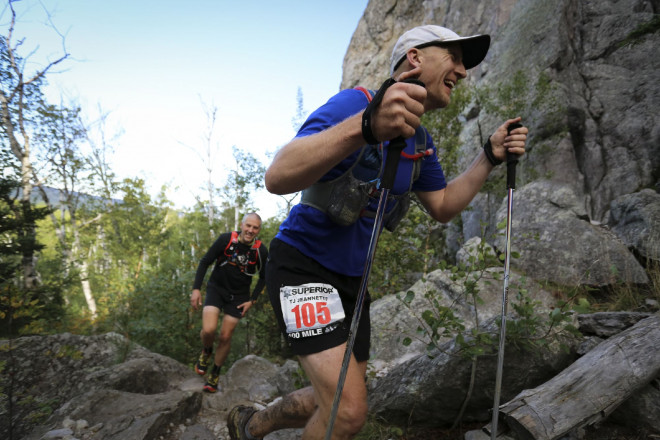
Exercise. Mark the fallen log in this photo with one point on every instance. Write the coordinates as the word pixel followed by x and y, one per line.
pixel 589 389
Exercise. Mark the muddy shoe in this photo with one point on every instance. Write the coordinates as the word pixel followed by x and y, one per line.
pixel 211 385
pixel 202 363
pixel 237 420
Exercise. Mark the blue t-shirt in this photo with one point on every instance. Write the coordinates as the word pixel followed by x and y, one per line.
pixel 343 249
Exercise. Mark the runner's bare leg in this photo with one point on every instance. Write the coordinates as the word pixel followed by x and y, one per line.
pixel 310 407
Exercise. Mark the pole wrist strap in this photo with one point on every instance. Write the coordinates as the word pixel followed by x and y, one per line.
pixel 488 150
pixel 367 133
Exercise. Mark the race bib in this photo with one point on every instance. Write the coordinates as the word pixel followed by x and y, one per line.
pixel 310 309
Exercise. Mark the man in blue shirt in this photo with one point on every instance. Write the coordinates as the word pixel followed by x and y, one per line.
pixel 318 256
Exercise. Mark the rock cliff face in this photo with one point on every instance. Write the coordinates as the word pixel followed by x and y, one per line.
pixel 606 145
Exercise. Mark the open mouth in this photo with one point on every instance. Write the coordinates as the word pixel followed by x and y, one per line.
pixel 450 84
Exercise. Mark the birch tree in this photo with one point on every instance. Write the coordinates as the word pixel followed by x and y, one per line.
pixel 21 100
pixel 67 168
pixel 246 176
pixel 207 155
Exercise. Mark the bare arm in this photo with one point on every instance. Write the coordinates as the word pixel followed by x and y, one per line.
pixel 445 204
pixel 305 160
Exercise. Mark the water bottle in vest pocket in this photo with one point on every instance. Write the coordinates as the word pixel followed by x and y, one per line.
pixel 392 219
pixel 349 196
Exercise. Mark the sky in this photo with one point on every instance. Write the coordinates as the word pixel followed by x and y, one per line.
pixel 154 66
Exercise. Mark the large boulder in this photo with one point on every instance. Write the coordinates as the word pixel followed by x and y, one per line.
pixel 107 388
pixel 635 218
pixel 431 389
pixel 393 320
pixel 58 370
pixel 558 243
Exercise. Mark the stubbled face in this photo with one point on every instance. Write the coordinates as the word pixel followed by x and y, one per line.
pixel 442 69
pixel 249 229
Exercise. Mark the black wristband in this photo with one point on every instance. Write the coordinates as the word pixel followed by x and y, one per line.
pixel 367 134
pixel 488 150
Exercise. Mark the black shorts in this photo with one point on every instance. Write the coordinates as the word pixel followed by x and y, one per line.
pixel 217 297
pixel 318 303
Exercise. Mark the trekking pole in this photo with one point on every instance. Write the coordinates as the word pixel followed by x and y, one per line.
pixel 511 162
pixel 394 149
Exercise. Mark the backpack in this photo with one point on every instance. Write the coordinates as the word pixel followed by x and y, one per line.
pixel 344 199
pixel 243 261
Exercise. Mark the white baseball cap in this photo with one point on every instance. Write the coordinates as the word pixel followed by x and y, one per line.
pixel 474 47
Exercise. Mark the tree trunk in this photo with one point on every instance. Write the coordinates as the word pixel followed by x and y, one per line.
pixel 87 288
pixel 28 262
pixel 591 388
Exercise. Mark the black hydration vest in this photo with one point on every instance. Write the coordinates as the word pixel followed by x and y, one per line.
pixel 246 262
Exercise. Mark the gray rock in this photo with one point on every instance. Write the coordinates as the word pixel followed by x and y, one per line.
pixel 470 250
pixel 642 409
pixel 197 432
pixel 479 434
pixel 606 324
pixel 104 387
pixel 392 321
pixel 63 433
pixel 430 390
pixel 635 218
pixel 557 243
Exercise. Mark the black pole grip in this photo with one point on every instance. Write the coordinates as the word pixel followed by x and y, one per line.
pixel 511 161
pixel 394 149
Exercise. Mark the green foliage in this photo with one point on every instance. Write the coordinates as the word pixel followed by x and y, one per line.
pixel 530 330
pixel 445 128
pixel 410 252
pixel 245 177
pixel 65 351
pixel 126 245
pixel 536 99
pixel 507 99
pixel 22 311
pixel 152 307
pixel 158 315
pixel 300 379
pixel 438 322
pixel 650 27
pixel 378 429
pixel 416 247
pixel 148 284
pixel 42 409
pixel 124 347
